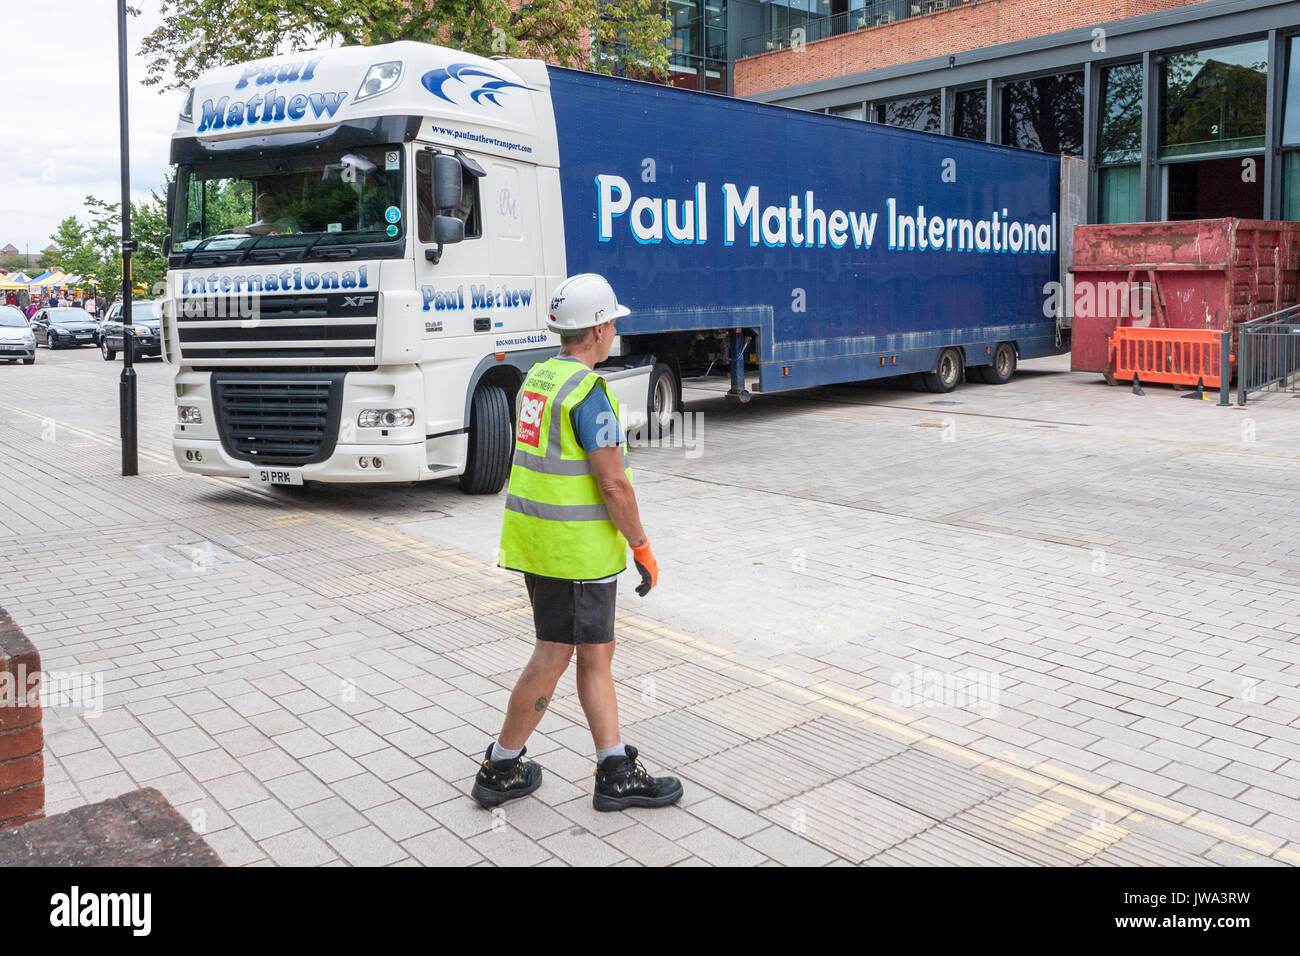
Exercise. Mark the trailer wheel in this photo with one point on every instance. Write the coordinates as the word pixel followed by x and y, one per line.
pixel 487 464
pixel 1002 368
pixel 664 400
pixel 948 373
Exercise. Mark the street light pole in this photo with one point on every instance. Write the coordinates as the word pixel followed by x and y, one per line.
pixel 126 389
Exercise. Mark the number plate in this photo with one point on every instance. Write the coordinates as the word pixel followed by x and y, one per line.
pixel 85 335
pixel 276 476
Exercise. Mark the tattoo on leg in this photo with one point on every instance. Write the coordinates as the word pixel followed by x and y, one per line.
pixel 540 705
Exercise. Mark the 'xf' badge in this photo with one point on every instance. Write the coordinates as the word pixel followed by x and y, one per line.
pixel 357 301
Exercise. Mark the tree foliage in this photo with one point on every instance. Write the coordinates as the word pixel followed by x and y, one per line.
pixel 91 248
pixel 626 36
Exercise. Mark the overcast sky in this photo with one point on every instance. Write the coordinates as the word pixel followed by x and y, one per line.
pixel 58 118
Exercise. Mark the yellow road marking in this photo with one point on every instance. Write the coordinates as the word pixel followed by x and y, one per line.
pixel 1041 816
pixel 1092 841
pixel 153 456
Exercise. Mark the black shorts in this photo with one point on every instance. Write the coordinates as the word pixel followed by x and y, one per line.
pixel 572 612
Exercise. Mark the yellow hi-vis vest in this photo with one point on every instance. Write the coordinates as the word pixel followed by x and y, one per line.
pixel 555 523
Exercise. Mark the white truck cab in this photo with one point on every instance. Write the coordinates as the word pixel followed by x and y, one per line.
pixel 364 242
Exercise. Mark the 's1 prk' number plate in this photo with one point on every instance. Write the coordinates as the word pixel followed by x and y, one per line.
pixel 276 476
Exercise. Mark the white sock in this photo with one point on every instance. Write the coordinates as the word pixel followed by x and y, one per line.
pixel 500 753
pixel 618 750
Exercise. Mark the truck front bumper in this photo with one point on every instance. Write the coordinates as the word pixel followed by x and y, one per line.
pixel 347 453
pixel 395 462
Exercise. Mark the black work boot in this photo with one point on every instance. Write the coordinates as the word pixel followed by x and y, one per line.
pixel 622 782
pixel 502 780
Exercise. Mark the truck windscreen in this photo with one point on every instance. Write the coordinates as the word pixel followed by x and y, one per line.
pixel 290 200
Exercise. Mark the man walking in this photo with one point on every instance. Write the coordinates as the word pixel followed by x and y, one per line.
pixel 570 515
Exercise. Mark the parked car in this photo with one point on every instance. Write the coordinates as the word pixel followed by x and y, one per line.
pixel 59 328
pixel 111 311
pixel 16 339
pixel 144 331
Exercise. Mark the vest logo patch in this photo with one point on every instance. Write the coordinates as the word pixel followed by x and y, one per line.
pixel 530 418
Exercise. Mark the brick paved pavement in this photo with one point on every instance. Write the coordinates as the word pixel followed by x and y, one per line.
pixel 1045 623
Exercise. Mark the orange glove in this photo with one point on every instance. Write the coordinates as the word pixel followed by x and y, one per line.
pixel 648 566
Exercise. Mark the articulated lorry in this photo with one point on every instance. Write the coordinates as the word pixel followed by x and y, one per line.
pixel 364 242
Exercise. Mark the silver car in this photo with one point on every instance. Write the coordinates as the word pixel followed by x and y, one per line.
pixel 16 339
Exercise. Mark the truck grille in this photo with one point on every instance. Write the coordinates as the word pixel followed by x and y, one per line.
pixel 316 330
pixel 278 419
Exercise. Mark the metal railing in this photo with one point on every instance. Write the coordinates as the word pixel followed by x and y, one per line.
pixel 1268 353
pixel 875 14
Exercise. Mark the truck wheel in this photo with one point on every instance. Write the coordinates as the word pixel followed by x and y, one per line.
pixel 487 464
pixel 948 375
pixel 664 402
pixel 1002 367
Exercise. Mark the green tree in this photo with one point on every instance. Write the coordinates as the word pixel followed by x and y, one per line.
pixel 149 227
pixel 195 35
pixel 93 248
pixel 76 255
pixel 104 237
pixel 15 262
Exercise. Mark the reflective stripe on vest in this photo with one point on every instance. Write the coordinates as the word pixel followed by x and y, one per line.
pixel 555 522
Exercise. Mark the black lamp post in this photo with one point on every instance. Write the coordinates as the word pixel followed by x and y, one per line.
pixel 126 390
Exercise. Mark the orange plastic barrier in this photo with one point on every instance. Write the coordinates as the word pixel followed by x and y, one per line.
pixel 1173 356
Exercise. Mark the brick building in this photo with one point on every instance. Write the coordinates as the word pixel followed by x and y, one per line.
pixel 1181 110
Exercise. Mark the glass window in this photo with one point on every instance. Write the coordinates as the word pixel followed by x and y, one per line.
pixel 468 210
pixel 1120 136
pixel 1291 185
pixel 1291 122
pixel 684 71
pixel 969 115
pixel 293 198
pixel 686 26
pixel 913 112
pixel 849 111
pixel 1044 114
pixel 1119 194
pixel 1212 101
pixel 715 76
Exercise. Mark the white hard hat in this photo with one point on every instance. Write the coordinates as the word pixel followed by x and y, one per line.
pixel 581 301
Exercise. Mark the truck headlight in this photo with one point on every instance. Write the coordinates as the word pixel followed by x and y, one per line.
pixel 189 415
pixel 380 78
pixel 386 418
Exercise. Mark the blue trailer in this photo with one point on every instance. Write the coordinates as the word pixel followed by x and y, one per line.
pixel 399 216
pixel 813 248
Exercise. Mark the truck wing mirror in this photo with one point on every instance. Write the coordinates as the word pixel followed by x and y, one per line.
pixel 448 229
pixel 446 181
pixel 171 203
pixel 445 229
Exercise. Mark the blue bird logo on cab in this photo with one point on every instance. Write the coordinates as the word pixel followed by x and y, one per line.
pixel 484 84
